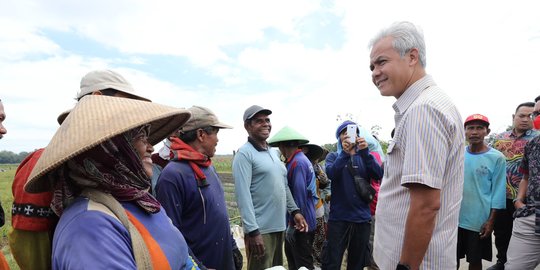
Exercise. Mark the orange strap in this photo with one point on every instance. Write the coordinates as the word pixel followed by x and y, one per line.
pixel 159 260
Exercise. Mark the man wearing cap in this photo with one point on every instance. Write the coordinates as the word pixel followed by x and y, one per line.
pixel 511 143
pixel 301 183
pixel 32 218
pixel 190 190
pixel 483 193
pixel 524 246
pixel 262 194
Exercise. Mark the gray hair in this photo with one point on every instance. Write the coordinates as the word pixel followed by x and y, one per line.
pixel 406 37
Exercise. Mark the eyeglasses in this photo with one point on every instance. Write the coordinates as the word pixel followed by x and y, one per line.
pixel 535 114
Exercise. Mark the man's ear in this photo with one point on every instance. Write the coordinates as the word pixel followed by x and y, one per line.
pixel 200 135
pixel 488 131
pixel 97 93
pixel 413 56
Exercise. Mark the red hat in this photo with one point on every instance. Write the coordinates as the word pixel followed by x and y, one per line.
pixel 477 117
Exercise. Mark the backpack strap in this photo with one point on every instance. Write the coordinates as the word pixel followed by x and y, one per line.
pixel 140 250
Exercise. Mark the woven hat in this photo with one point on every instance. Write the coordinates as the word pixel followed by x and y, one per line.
pixel 202 117
pixel 96 119
pixel 314 151
pixel 287 134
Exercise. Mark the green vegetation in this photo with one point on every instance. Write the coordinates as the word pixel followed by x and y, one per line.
pixel 7 172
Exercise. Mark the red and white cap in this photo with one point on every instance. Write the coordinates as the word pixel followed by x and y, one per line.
pixel 477 117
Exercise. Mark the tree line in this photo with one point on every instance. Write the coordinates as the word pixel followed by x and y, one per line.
pixel 8 157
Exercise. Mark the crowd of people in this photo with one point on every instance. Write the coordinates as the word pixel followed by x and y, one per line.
pixel 98 197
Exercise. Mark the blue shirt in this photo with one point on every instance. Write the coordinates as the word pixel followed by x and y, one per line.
pixel 484 188
pixel 261 191
pixel 346 205
pixel 199 213
pixel 92 239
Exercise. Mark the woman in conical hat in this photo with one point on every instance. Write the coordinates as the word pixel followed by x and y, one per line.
pixel 98 165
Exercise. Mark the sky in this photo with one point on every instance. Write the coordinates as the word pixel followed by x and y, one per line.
pixel 307 61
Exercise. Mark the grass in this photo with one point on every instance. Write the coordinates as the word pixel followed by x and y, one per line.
pixel 7 172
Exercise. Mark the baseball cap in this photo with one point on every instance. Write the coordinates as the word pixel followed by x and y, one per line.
pixel 104 79
pixel 202 117
pixel 477 117
pixel 253 110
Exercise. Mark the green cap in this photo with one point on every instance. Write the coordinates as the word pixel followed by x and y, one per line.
pixel 287 134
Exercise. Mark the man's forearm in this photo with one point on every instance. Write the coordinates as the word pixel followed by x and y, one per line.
pixel 421 219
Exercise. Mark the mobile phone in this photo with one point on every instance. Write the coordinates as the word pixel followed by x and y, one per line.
pixel 351 132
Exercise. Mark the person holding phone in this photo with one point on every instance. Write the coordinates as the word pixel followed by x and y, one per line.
pixel 349 223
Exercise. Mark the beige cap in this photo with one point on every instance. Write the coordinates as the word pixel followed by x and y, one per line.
pixel 202 117
pixel 104 79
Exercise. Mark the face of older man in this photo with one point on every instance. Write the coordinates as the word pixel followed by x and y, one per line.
pixel 390 72
pixel 2 118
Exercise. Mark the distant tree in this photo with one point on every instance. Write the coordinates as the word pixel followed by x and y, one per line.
pixel 8 157
pixel 331 147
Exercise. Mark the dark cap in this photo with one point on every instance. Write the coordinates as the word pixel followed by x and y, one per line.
pixel 253 110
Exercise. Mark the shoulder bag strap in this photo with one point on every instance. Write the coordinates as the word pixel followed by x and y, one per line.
pixel 140 251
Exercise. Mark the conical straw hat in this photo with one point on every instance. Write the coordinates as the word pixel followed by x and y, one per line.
pixel 95 119
pixel 287 134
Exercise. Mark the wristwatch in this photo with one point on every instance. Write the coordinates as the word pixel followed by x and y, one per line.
pixel 518 199
pixel 401 266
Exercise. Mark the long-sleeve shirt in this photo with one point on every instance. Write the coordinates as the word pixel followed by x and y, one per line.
pixel 199 213
pixel 87 238
pixel 301 180
pixel 261 190
pixel 346 204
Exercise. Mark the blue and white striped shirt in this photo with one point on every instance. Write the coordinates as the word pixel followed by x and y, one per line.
pixel 427 148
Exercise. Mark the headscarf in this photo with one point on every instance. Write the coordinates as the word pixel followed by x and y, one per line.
pixel 183 151
pixel 165 151
pixel 114 167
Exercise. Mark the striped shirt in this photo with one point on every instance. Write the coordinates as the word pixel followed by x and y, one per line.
pixel 427 148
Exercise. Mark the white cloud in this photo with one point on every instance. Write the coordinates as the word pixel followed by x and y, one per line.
pixel 482 53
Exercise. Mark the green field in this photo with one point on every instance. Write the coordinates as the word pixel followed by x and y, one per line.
pixel 7 171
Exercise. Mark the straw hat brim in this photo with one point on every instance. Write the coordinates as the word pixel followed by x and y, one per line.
pixel 287 134
pixel 96 119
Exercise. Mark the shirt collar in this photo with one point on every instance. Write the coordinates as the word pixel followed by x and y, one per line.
pixel 256 145
pixel 412 93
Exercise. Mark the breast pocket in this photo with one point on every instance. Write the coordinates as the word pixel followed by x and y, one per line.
pixel 389 152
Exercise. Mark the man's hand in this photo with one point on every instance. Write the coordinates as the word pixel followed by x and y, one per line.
pixel 255 245
pixel 347 146
pixel 486 229
pixel 518 204
pixel 300 223
pixel 361 143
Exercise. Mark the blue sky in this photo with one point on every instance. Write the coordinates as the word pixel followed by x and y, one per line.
pixel 299 58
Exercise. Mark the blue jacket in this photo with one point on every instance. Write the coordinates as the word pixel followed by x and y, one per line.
pixel 346 205
pixel 200 214
pixel 301 180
